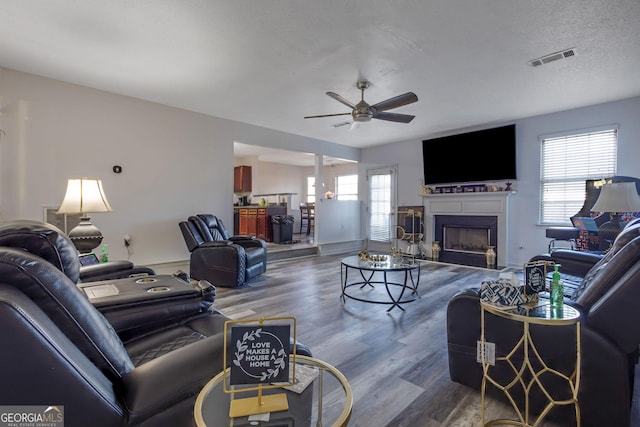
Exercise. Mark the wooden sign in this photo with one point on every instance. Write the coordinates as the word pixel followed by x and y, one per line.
pixel 259 355
pixel 535 276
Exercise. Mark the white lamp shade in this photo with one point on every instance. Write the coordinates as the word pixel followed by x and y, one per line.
pixel 618 197
pixel 84 195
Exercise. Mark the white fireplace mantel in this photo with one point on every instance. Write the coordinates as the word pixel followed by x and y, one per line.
pixel 493 203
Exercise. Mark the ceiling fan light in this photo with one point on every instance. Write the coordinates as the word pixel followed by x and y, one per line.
pixel 363 112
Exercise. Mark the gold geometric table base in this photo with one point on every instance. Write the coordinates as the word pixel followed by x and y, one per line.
pixel 258 405
pixel 530 353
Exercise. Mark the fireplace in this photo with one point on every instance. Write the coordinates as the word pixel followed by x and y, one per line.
pixel 470 205
pixel 464 238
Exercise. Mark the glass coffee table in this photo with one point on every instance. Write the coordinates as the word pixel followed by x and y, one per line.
pixel 398 291
pixel 326 401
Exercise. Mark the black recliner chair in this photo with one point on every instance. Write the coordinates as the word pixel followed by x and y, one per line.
pixel 220 258
pixel 608 298
pixel 60 349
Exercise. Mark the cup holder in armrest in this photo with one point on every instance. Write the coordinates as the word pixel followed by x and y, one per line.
pixel 146 280
pixel 158 289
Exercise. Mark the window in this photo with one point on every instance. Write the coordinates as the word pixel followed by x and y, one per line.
pixel 382 204
pixel 566 163
pixel 347 187
pixel 311 189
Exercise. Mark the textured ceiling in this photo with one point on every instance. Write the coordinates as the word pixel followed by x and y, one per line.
pixel 269 63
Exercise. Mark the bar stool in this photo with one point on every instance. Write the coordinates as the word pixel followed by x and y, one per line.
pixel 307 216
pixel 562 234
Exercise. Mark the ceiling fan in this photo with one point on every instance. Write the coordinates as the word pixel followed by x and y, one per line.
pixel 363 112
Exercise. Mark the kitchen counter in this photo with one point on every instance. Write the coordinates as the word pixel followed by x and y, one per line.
pixel 274 194
pixel 270 205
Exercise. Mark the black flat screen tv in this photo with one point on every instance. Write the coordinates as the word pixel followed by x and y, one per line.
pixel 484 155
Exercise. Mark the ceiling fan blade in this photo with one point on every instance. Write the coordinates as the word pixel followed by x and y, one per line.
pixel 394 117
pixel 395 102
pixel 327 115
pixel 341 99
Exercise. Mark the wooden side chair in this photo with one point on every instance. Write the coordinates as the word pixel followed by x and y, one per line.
pixel 307 216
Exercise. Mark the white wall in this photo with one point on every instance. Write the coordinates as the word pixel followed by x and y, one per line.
pixel 335 220
pixel 526 236
pixel 175 163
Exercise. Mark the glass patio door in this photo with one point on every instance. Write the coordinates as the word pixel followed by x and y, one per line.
pixel 382 204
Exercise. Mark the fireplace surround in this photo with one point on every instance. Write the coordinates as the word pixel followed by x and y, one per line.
pixel 464 239
pixel 480 204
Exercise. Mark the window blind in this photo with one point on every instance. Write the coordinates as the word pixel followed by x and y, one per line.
pixel 347 187
pixel 380 205
pixel 567 162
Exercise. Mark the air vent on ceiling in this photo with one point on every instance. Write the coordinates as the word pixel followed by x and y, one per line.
pixel 563 54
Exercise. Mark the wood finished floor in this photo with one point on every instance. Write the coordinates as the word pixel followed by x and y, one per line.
pixel 396 362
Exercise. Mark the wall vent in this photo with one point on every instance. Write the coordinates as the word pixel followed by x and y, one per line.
pixel 563 54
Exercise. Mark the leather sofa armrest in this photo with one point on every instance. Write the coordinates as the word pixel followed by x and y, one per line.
pixel 576 263
pixel 216 244
pixel 249 243
pixel 162 382
pixel 105 267
pixel 241 237
pixel 118 269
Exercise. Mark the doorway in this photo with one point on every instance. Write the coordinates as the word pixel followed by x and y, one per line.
pixel 382 207
pixel 291 172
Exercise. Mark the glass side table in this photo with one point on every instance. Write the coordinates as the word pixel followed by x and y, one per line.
pixel 408 288
pixel 327 400
pixel 526 376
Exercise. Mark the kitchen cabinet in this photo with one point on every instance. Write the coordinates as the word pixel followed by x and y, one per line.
pixel 248 221
pixel 242 179
pixel 257 221
pixel 261 224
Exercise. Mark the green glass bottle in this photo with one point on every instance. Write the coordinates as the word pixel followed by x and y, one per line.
pixel 105 256
pixel 557 291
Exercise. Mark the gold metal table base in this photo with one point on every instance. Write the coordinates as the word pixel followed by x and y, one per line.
pixel 530 352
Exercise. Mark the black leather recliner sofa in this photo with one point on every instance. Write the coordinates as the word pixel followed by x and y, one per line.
pixel 59 349
pixel 608 298
pixel 118 269
pixel 218 257
pixel 575 265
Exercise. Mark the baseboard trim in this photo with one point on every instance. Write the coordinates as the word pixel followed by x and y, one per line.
pixel 338 248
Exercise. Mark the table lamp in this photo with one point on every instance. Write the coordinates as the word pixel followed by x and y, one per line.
pixel 84 196
pixel 615 198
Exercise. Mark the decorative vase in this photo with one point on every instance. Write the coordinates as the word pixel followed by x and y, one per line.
pixel 435 250
pixel 395 252
pixel 491 257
